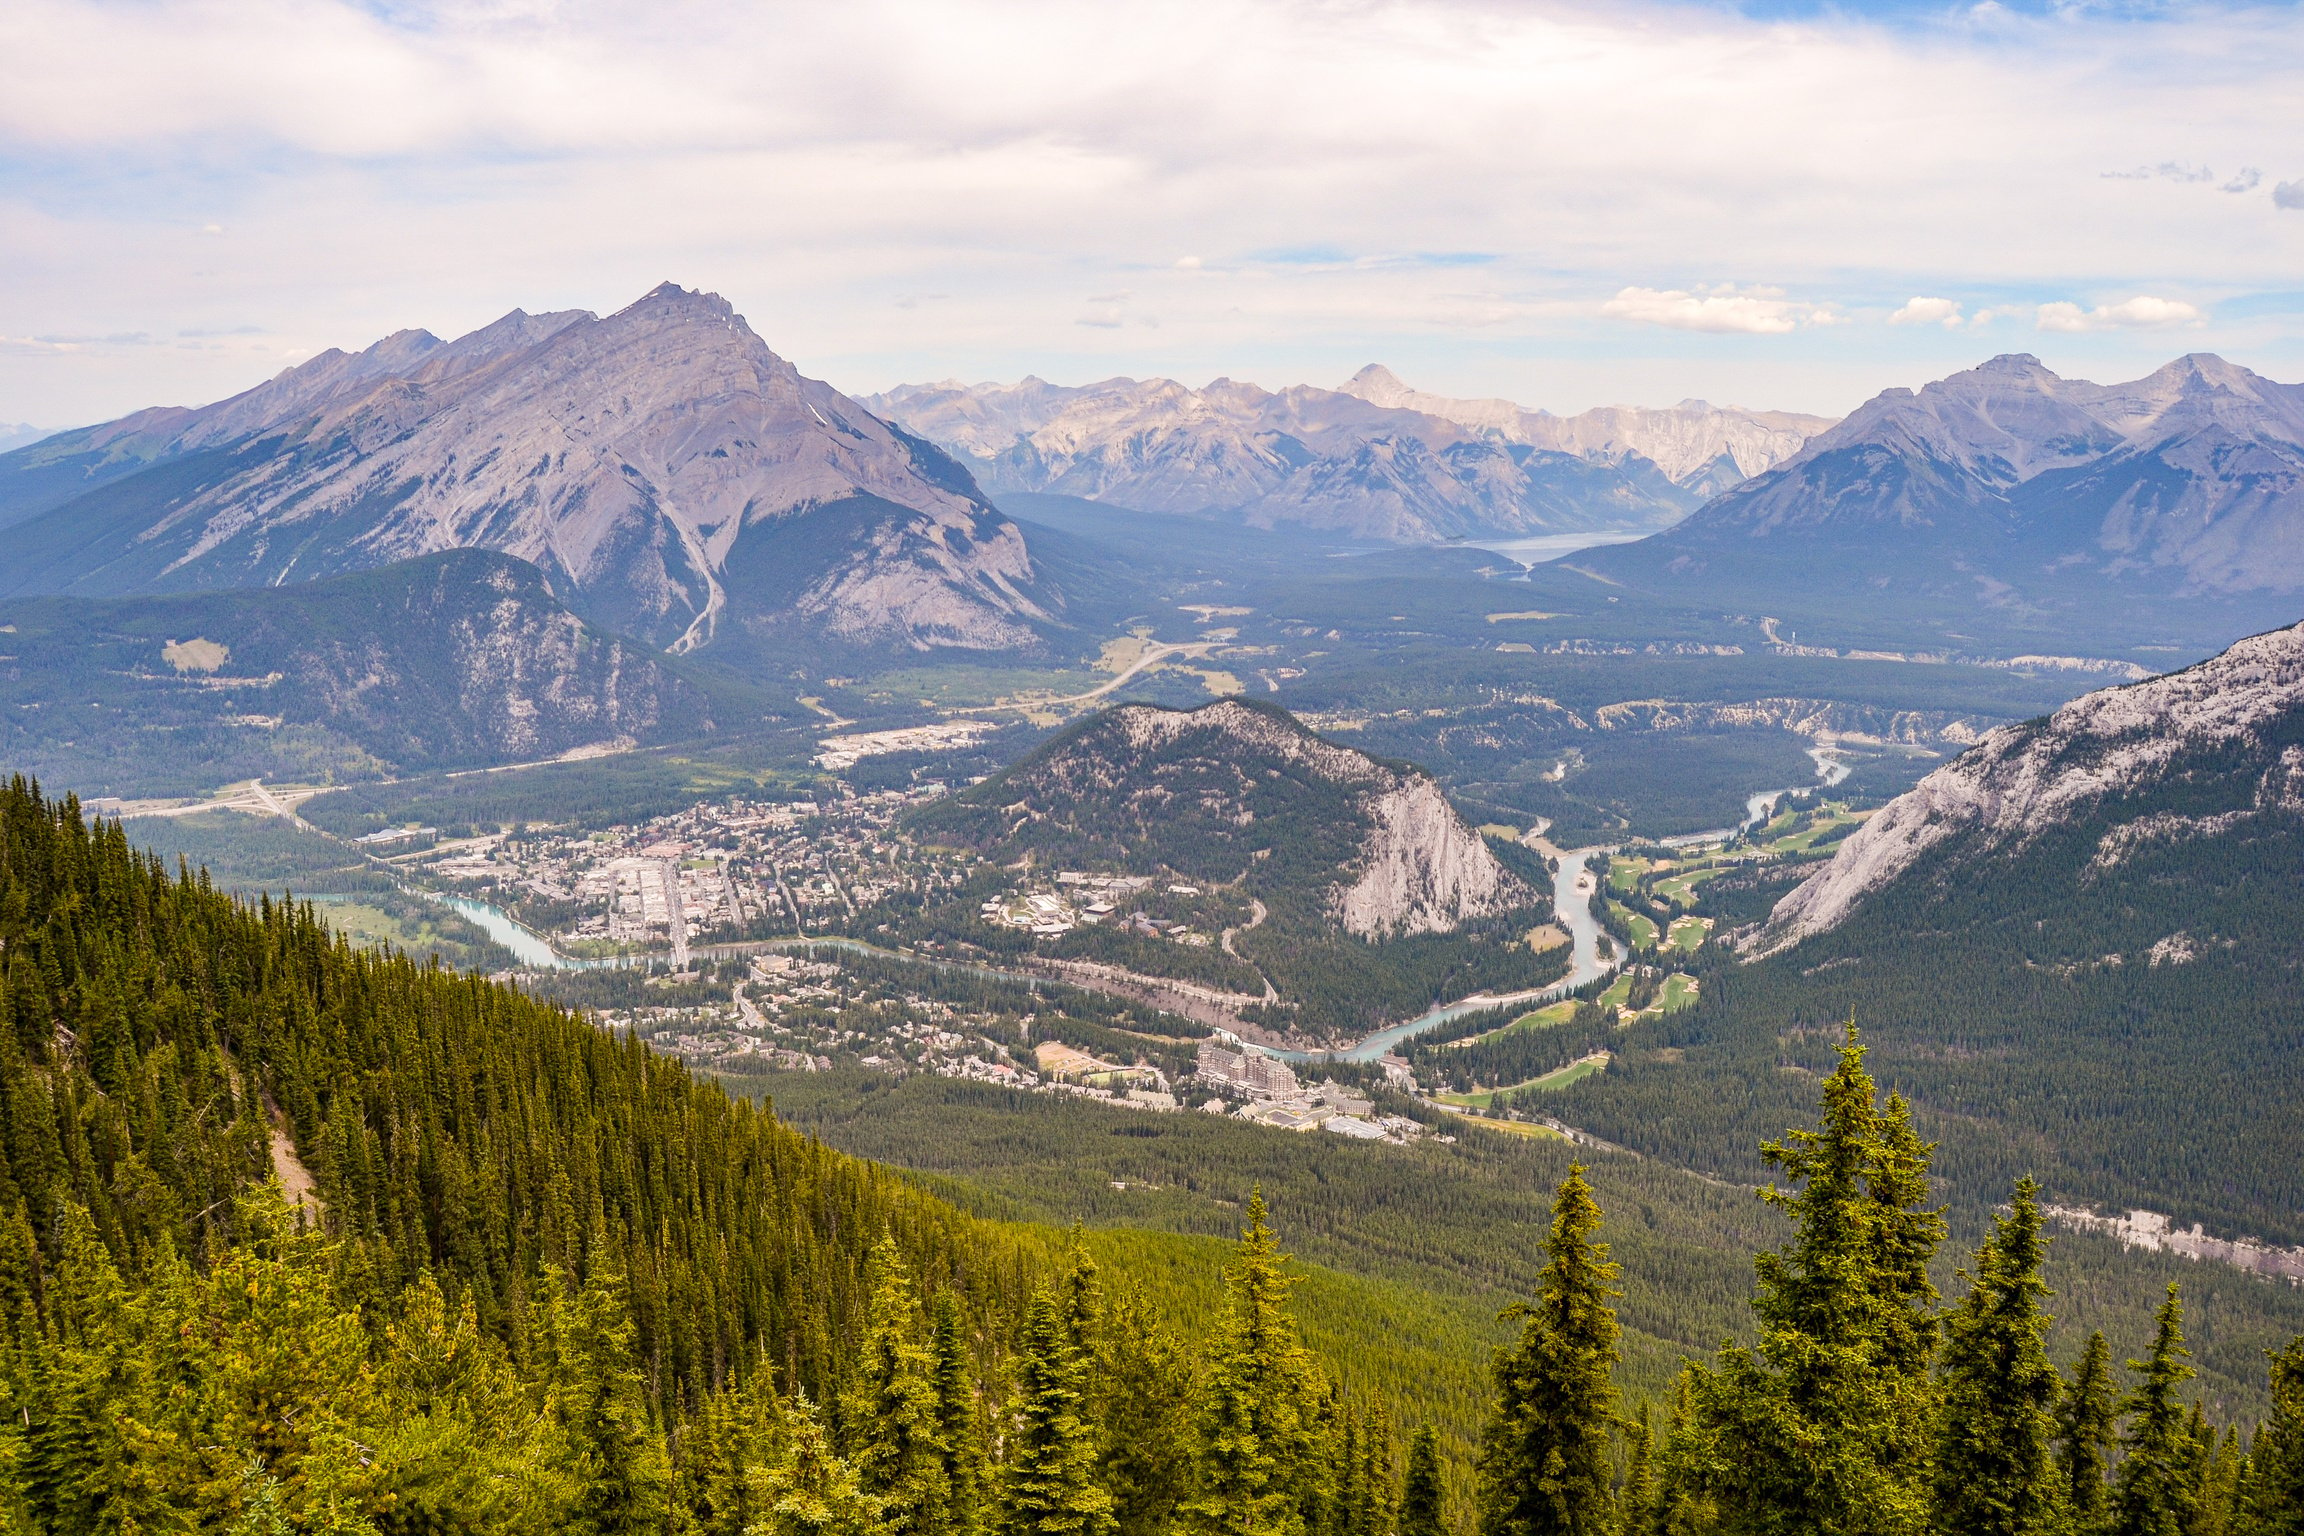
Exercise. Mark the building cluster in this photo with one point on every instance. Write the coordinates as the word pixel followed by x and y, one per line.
pixel 1074 900
pixel 1269 1093
pixel 720 870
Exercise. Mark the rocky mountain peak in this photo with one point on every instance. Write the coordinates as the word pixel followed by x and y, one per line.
pixel 631 454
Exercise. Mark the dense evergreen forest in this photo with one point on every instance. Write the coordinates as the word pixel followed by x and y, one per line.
pixel 295 1237
pixel 2129 1035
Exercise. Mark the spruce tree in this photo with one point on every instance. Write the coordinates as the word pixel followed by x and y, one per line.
pixel 1636 1500
pixel 1257 1446
pixel 1423 1509
pixel 889 1421
pixel 1681 1507
pixel 810 1490
pixel 2274 1503
pixel 1995 1472
pixel 1824 1428
pixel 1545 1468
pixel 1051 1487
pixel 1150 1381
pixel 959 1434
pixel 2153 1492
pixel 2087 1430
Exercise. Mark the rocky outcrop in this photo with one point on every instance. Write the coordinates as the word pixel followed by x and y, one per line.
pixel 1372 459
pixel 2219 737
pixel 632 456
pixel 1422 870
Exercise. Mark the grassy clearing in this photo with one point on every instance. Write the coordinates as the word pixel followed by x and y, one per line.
pixel 1623 874
pixel 1680 889
pixel 1831 819
pixel 1642 930
pixel 1687 933
pixel 1574 1072
pixel 1619 992
pixel 1679 992
pixel 954 687
pixel 1550 1016
pixel 1519 1128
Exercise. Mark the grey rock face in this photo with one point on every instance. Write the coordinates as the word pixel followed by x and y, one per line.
pixel 2108 756
pixel 1372 459
pixel 631 455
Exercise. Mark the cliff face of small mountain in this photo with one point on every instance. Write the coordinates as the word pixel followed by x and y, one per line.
pixel 1236 791
pixel 2181 766
pixel 676 477
pixel 2007 482
pixel 1373 459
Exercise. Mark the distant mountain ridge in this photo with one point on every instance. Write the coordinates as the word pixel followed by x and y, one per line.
pixel 2007 485
pixel 1371 459
pixel 678 478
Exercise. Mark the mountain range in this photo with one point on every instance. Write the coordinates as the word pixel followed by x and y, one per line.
pixel 677 480
pixel 1370 459
pixel 2009 487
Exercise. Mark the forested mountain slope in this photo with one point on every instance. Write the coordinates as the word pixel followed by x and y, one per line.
pixel 1377 898
pixel 2077 946
pixel 527 1276
pixel 447 661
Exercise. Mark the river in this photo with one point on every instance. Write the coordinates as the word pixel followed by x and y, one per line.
pixel 1573 884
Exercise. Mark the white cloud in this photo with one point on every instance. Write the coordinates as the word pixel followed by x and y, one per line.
pixel 1754 311
pixel 2288 194
pixel 1919 311
pixel 2140 313
pixel 436 162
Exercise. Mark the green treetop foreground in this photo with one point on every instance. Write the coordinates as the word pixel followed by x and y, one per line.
pixel 298 1238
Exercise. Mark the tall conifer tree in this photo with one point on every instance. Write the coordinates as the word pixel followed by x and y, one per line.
pixel 959 1434
pixel 2087 1431
pixel 1150 1391
pixel 1423 1503
pixel 1995 1470
pixel 1051 1483
pixel 2274 1501
pixel 1545 1468
pixel 889 1421
pixel 2153 1494
pixel 1258 1420
pixel 1636 1500
pixel 1823 1428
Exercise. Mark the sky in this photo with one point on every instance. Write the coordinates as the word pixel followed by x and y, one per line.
pixel 1777 204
